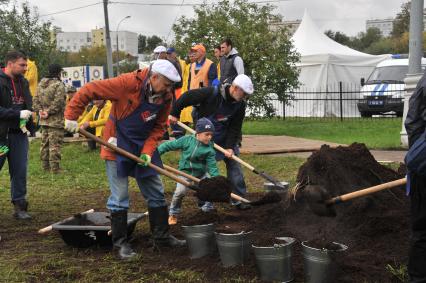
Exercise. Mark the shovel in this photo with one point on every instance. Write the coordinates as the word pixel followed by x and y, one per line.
pixel 322 205
pixel 78 215
pixel 205 187
pixel 270 197
pixel 237 159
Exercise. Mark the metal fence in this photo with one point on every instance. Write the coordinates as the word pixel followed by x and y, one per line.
pixel 341 101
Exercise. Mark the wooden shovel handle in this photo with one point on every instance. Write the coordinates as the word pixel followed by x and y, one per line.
pixel 138 160
pixel 49 228
pixel 367 191
pixel 177 172
pixel 219 148
pixel 133 157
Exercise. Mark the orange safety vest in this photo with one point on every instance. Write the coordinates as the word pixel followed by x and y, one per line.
pixel 201 76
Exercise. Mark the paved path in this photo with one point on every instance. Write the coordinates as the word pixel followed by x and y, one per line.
pixel 259 144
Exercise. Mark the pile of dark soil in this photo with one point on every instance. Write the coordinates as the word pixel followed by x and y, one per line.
pixel 375 228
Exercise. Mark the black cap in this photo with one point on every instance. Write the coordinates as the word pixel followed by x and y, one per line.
pixel 54 70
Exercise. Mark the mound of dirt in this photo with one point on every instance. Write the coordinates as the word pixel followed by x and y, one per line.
pixel 375 228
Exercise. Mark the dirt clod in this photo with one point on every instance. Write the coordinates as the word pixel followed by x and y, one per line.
pixel 216 189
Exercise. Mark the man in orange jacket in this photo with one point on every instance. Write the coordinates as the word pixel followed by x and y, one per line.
pixel 141 103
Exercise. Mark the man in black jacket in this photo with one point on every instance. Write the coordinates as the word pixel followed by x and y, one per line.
pixel 415 124
pixel 224 106
pixel 15 115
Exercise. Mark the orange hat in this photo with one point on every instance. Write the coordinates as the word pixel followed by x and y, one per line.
pixel 198 47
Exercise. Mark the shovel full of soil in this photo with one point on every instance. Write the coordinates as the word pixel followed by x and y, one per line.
pixel 221 184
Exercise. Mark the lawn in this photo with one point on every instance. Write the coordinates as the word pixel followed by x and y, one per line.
pixel 376 133
pixel 26 256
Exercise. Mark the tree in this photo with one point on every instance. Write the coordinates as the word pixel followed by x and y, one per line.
pixel 269 56
pixel 21 29
pixel 338 36
pixel 152 42
pixel 141 43
pixel 402 21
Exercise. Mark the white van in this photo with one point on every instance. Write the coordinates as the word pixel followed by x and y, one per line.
pixel 383 92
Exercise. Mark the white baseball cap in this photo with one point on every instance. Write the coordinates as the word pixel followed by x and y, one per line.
pixel 160 49
pixel 165 68
pixel 244 82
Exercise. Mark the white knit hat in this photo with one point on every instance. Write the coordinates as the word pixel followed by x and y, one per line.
pixel 244 82
pixel 165 68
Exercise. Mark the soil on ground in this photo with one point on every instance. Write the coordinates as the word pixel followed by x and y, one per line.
pixel 375 228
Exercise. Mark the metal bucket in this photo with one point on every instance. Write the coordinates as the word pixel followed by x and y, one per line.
pixel 321 264
pixel 200 239
pixel 234 249
pixel 275 263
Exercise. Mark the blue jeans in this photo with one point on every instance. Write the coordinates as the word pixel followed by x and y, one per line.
pixel 17 158
pixel 151 188
pixel 234 174
pixel 178 195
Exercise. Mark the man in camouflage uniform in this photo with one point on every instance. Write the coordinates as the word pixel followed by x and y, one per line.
pixel 50 105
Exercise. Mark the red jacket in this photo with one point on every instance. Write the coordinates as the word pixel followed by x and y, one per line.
pixel 125 93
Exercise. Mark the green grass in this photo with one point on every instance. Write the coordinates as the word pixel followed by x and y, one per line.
pixel 377 133
pixel 26 256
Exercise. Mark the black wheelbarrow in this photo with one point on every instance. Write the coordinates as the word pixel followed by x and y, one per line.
pixel 90 228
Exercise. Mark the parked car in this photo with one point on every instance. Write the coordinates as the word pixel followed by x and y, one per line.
pixel 383 92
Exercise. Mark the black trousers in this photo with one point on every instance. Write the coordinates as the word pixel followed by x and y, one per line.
pixel 417 255
pixel 91 143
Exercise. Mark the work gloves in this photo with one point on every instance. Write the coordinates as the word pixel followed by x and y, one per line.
pixel 113 141
pixel 71 126
pixel 25 114
pixel 145 158
pixel 3 150
pixel 22 123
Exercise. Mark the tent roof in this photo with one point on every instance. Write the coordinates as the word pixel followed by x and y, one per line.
pixel 309 40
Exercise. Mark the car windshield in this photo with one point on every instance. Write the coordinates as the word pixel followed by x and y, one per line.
pixel 388 74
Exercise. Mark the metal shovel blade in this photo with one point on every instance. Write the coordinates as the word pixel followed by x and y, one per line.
pixel 316 197
pixel 278 185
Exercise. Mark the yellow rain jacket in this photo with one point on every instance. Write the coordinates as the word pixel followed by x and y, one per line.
pixel 100 122
pixel 32 76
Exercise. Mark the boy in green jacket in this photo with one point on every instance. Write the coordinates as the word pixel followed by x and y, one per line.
pixel 197 159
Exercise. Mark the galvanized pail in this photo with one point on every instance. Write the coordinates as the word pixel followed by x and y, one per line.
pixel 275 262
pixel 234 249
pixel 200 239
pixel 321 265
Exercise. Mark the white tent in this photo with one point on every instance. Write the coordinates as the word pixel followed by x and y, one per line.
pixel 323 64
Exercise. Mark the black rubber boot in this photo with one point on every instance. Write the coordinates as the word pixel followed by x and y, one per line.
pixel 119 235
pixel 21 207
pixel 158 220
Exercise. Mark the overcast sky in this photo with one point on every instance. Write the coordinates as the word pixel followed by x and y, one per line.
pixel 348 16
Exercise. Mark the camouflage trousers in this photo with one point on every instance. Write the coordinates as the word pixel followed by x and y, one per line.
pixel 50 150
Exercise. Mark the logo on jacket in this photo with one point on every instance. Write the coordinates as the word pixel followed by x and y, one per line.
pixel 221 118
pixel 148 116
